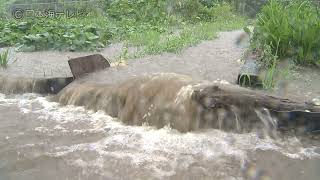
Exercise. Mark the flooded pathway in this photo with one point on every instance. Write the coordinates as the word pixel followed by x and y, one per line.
pixel 40 139
pixel 43 140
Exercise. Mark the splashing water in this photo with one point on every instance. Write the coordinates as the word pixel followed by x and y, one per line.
pixel 42 139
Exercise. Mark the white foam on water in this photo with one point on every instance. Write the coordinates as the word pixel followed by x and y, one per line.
pixel 144 145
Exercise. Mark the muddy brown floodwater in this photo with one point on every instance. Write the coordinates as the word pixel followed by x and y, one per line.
pixel 40 139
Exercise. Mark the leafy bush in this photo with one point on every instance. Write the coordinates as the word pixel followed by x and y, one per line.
pixel 152 11
pixel 140 23
pixel 53 34
pixel 193 11
pixel 248 7
pixel 3 7
pixel 295 25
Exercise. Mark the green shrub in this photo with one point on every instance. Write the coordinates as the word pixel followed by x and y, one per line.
pixel 295 25
pixel 152 11
pixel 53 34
pixel 193 10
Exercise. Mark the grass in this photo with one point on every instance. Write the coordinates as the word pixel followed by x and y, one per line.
pixel 147 24
pixel 295 25
pixel 245 80
pixel 4 59
pixel 153 42
pixel 286 30
pixel 269 81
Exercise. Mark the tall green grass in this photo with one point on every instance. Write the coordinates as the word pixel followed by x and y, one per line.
pixel 269 79
pixel 4 58
pixel 295 25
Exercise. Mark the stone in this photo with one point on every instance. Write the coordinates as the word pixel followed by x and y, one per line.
pixel 87 64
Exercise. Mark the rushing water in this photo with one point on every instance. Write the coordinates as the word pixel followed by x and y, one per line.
pixel 44 140
pixel 41 139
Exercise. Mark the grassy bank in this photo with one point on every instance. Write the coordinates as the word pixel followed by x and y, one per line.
pixel 286 35
pixel 155 25
pixel 290 30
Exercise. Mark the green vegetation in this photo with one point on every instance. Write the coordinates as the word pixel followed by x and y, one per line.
pixel 41 35
pixel 286 30
pixel 295 25
pixel 155 25
pixel 269 79
pixel 245 80
pixel 154 42
pixel 4 59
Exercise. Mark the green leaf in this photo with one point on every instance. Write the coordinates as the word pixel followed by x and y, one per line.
pixel 90 36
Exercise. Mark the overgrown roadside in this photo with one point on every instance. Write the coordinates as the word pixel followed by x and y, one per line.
pixel 285 39
pixel 156 26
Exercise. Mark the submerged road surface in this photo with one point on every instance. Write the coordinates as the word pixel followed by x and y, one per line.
pixel 40 139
